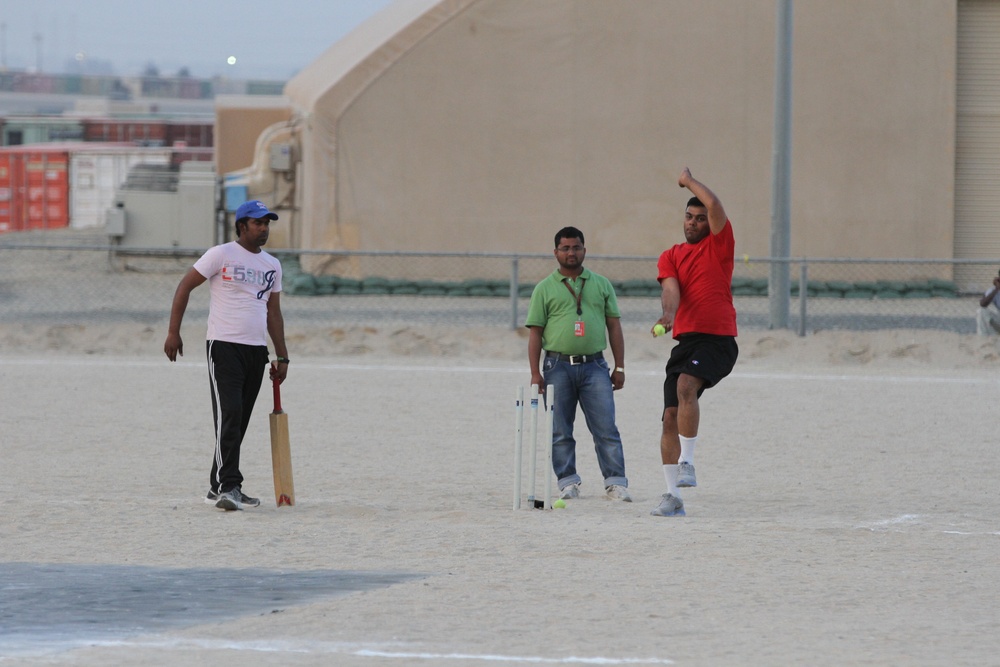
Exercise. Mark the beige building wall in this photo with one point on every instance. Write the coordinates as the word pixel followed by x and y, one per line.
pixel 874 128
pixel 239 121
pixel 477 125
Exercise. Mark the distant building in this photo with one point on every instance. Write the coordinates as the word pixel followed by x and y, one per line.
pixel 115 87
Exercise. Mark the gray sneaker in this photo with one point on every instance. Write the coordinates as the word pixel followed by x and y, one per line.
pixel 213 498
pixel 618 492
pixel 230 500
pixel 248 501
pixel 685 475
pixel 670 505
pixel 570 491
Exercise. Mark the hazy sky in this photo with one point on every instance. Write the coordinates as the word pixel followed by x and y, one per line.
pixel 270 39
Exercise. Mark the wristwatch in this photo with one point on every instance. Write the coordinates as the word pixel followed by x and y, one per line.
pixel 282 360
pixel 620 369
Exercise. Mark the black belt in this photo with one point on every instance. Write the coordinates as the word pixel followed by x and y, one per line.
pixel 575 359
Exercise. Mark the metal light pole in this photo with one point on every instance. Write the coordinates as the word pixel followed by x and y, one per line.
pixel 779 285
pixel 38 52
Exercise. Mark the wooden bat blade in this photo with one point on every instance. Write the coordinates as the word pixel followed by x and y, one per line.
pixel 281 460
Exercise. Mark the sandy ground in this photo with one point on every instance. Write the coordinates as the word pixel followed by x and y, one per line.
pixel 846 512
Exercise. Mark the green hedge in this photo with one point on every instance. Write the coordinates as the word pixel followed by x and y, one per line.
pixel 300 283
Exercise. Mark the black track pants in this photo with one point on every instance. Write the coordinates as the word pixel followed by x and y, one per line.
pixel 235 373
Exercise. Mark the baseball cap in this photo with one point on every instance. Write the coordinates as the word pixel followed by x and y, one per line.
pixel 254 209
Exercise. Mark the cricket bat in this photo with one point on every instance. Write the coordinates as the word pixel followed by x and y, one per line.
pixel 281 453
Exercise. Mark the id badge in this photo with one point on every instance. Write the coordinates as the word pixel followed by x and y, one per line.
pixel 579 328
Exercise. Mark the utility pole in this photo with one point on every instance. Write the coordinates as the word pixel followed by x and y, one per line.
pixel 38 52
pixel 779 286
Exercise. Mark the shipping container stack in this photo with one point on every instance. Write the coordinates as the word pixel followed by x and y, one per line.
pixel 57 171
pixel 34 188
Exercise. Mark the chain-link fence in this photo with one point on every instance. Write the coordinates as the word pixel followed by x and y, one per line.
pixel 87 281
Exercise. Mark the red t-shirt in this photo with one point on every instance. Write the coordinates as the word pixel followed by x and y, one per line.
pixel 705 273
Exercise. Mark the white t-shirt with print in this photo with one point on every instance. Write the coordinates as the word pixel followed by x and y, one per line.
pixel 240 283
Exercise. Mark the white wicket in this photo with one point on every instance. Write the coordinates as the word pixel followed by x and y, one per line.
pixel 518 438
pixel 550 393
pixel 548 407
pixel 532 446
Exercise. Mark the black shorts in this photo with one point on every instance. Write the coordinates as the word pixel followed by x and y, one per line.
pixel 704 356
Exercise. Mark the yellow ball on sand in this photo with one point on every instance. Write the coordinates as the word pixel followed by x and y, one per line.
pixel 659 330
pixel 559 504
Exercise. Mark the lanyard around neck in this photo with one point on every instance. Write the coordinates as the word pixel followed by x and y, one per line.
pixel 578 297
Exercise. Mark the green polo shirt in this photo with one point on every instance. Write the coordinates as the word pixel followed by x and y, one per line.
pixel 553 308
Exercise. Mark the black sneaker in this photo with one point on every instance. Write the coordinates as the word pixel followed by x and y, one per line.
pixel 212 497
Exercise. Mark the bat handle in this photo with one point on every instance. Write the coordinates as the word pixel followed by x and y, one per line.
pixel 276 386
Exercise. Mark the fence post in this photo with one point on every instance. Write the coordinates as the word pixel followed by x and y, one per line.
pixel 514 289
pixel 803 282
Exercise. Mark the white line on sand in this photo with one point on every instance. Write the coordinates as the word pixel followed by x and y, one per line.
pixel 330 648
pixel 889 524
pixel 897 523
pixel 514 659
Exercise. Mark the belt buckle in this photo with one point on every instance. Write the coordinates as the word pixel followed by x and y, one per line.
pixel 577 359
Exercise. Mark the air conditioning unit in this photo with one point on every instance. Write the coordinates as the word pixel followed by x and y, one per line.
pixel 114 221
pixel 281 157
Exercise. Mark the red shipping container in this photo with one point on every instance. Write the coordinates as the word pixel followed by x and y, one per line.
pixel 34 188
pixel 145 132
pixel 193 134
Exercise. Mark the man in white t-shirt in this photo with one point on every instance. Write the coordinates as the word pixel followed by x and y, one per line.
pixel 988 315
pixel 244 308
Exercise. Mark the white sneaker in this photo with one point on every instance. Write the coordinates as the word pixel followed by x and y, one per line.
pixel 670 505
pixel 617 492
pixel 685 475
pixel 570 491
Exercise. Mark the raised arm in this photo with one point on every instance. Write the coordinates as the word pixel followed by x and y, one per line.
pixel 716 213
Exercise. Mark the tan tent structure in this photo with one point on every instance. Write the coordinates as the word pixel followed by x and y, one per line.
pixel 474 125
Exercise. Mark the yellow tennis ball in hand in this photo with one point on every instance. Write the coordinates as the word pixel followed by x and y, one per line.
pixel 659 330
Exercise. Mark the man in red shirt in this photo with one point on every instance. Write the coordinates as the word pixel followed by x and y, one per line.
pixel 697 303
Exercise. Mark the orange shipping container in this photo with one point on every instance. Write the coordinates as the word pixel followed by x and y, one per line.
pixel 34 188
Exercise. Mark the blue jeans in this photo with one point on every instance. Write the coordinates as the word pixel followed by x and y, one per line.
pixel 588 385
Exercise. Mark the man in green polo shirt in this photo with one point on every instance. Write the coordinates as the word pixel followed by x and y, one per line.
pixel 570 312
